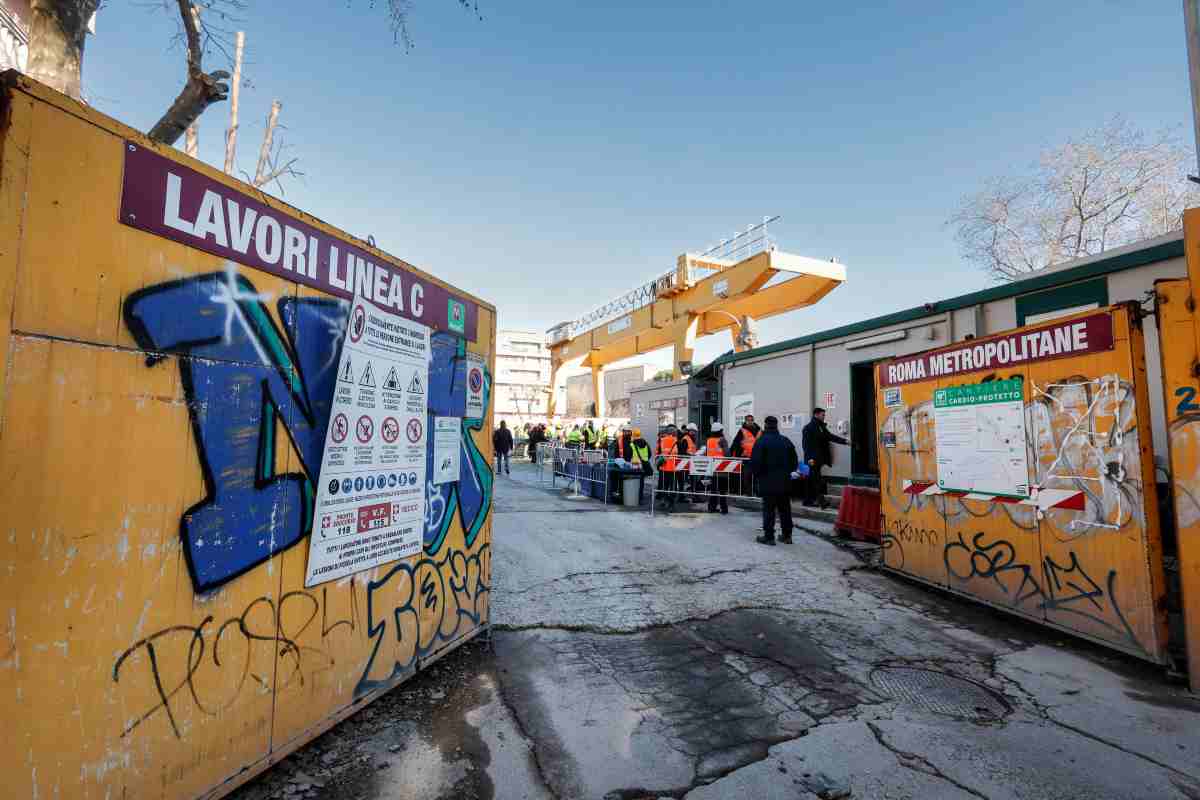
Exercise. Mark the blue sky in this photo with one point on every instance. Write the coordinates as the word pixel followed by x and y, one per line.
pixel 551 155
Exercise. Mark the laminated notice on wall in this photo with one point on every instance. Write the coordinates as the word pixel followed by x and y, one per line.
pixel 475 366
pixel 447 434
pixel 980 436
pixel 370 506
pixel 741 406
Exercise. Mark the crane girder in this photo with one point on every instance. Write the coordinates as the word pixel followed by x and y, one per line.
pixel 712 304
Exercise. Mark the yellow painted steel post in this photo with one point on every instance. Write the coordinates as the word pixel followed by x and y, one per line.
pixel 685 345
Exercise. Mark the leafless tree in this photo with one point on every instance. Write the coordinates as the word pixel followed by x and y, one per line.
pixel 1109 187
pixel 58 31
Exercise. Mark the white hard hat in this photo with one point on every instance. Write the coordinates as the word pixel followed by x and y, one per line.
pixel 717 427
pixel 692 426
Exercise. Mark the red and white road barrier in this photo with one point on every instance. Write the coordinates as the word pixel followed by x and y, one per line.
pixel 1044 499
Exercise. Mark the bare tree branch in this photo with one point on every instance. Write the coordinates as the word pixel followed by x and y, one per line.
pixel 1111 186
pixel 201 89
pixel 264 152
pixel 191 144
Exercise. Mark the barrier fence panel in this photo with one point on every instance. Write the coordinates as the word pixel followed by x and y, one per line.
pixel 585 470
pixel 711 480
pixel 1016 469
pixel 545 462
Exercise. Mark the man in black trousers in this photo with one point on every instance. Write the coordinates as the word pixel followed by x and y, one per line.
pixel 773 461
pixel 818 455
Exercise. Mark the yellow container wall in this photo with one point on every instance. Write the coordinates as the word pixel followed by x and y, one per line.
pixel 120 676
pixel 1179 335
pixel 1096 572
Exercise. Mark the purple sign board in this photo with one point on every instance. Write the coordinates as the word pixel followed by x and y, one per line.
pixel 176 202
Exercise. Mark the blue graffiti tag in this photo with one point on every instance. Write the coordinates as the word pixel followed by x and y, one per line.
pixel 242 378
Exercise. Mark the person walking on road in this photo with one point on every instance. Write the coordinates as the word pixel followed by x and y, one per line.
pixel 817 454
pixel 773 461
pixel 717 447
pixel 502 443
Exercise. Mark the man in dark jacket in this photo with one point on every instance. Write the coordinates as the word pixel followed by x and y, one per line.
pixel 537 435
pixel 817 454
pixel 773 461
pixel 502 443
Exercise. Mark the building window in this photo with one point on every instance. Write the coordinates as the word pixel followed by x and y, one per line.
pixel 1055 303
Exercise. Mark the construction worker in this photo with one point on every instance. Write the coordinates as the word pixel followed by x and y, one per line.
pixel 589 435
pixel 742 447
pixel 668 463
pixel 639 450
pixel 623 447
pixel 718 447
pixel 691 443
pixel 575 437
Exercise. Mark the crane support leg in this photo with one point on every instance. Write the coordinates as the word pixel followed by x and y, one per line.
pixel 685 344
pixel 600 407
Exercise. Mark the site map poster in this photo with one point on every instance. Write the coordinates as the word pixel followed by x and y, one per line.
pixel 980 434
pixel 370 506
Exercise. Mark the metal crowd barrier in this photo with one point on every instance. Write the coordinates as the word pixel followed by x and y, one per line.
pixel 545 458
pixel 701 479
pixel 585 470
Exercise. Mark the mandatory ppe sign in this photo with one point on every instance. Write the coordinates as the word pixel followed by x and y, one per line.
pixel 370 506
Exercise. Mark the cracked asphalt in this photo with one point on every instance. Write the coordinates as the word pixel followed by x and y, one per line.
pixel 634 657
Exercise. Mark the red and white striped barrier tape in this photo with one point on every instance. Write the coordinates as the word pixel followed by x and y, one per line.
pixel 1044 499
pixel 709 465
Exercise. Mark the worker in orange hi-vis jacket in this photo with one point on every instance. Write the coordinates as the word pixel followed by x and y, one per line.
pixel 718 447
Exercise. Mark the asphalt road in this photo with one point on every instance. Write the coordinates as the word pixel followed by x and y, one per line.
pixel 672 656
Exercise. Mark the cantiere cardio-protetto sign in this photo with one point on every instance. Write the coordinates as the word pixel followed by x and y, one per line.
pixel 1057 340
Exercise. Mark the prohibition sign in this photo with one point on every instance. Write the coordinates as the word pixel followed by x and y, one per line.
pixel 341 427
pixel 365 429
pixel 414 430
pixel 389 429
pixel 358 323
pixel 476 380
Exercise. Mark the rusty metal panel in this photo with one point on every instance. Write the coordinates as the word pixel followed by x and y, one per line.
pixel 1082 551
pixel 161 403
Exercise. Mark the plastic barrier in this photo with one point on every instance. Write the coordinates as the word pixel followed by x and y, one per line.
pixel 858 515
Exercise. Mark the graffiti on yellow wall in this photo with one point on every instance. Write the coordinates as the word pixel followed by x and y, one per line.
pixel 1073 553
pixel 165 410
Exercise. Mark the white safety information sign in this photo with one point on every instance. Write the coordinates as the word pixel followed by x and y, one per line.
pixel 980 434
pixel 370 505
pixel 740 406
pixel 475 365
pixel 447 437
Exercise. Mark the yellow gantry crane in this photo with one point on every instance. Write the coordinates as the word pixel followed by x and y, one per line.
pixel 704 294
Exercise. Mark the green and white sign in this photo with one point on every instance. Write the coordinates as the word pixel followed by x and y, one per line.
pixel 980 434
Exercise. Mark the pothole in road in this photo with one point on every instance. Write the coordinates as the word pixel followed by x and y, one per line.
pixel 940 693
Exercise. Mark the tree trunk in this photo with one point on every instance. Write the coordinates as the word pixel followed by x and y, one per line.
pixel 57 32
pixel 231 134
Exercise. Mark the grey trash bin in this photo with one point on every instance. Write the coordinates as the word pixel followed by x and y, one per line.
pixel 630 494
